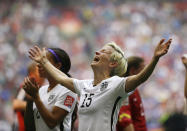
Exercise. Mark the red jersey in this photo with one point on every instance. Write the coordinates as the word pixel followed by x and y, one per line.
pixel 20 118
pixel 20 113
pixel 133 113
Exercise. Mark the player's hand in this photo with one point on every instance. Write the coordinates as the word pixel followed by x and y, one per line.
pixel 31 88
pixel 38 55
pixel 184 61
pixel 162 48
pixel 28 97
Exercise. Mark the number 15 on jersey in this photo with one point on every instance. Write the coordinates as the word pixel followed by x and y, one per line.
pixel 87 100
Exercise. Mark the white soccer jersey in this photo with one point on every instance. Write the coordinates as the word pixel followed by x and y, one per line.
pixel 58 96
pixel 99 105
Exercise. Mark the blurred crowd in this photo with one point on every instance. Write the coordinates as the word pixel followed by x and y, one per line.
pixel 82 28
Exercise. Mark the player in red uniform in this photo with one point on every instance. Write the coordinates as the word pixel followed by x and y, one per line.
pixel 131 115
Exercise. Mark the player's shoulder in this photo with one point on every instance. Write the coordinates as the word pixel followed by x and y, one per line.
pixel 111 82
pixel 43 88
pixel 115 78
pixel 83 81
pixel 63 90
pixel 60 88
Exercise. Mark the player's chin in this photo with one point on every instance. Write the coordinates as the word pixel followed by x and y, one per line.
pixel 94 64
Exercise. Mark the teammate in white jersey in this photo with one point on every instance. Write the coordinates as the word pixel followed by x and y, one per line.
pixel 100 98
pixel 54 103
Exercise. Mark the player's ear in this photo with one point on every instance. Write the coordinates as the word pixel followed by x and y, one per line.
pixel 113 64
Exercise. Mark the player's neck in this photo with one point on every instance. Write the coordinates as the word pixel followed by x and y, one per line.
pixel 99 76
pixel 52 84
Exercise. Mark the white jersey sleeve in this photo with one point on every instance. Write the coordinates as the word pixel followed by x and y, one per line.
pixel 66 101
pixel 119 89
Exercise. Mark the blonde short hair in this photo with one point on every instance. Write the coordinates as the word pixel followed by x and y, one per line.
pixel 118 56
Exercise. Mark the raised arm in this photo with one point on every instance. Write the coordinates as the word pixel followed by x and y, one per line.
pixel 134 81
pixel 184 60
pixel 39 56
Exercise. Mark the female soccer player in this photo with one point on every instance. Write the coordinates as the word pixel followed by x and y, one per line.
pixel 53 103
pixel 100 98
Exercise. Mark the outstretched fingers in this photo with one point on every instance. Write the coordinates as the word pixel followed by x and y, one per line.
pixel 33 52
pixel 29 82
pixel 161 41
pixel 37 54
pixel 37 50
pixel 27 85
pixel 168 43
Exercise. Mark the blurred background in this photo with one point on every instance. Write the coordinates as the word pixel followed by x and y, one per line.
pixel 81 27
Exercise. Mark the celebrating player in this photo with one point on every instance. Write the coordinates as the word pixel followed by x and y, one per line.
pixel 53 103
pixel 100 98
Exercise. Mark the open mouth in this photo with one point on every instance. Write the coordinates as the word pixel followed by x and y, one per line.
pixel 96 59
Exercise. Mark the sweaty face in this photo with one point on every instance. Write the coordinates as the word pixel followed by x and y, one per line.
pixel 42 71
pixel 102 57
